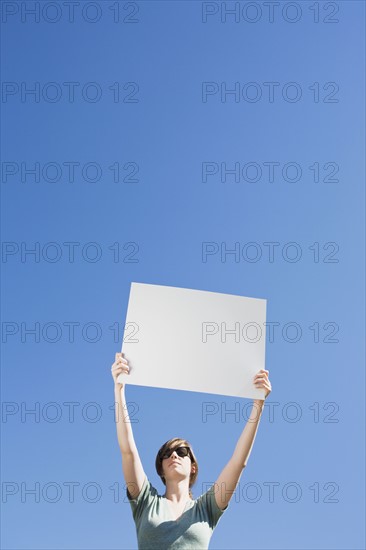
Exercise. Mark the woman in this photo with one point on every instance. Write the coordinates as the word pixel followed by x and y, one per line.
pixel 175 520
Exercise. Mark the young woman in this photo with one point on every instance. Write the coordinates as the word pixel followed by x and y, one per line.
pixel 175 520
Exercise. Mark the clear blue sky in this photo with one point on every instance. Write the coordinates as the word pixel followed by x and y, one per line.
pixel 151 226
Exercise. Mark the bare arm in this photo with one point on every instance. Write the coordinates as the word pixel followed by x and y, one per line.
pixel 125 437
pixel 246 440
pixel 231 474
pixel 131 464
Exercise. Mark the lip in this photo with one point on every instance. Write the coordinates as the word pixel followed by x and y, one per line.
pixel 174 462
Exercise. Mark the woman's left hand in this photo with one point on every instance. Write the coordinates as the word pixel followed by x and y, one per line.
pixel 261 381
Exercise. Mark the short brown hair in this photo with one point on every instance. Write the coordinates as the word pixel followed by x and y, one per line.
pixel 176 442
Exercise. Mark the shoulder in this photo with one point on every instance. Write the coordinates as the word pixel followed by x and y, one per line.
pixel 207 502
pixel 147 491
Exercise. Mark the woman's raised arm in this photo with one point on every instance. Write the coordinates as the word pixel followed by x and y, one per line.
pixel 132 467
pixel 230 475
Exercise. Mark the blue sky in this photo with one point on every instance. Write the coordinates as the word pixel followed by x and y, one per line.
pixel 119 195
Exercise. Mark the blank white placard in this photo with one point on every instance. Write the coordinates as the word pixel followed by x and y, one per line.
pixel 194 340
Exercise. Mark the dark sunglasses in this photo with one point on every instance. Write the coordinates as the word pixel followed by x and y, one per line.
pixel 181 451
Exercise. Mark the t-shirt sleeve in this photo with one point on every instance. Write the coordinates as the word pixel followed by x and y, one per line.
pixel 142 500
pixel 214 513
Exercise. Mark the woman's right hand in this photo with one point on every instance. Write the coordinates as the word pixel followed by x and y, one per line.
pixel 119 366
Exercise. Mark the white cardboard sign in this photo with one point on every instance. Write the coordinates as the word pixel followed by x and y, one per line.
pixel 194 340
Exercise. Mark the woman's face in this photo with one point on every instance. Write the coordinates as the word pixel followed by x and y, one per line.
pixel 177 467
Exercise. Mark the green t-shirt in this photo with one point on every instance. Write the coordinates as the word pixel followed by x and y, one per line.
pixel 156 530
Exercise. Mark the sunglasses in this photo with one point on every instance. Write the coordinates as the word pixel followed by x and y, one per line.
pixel 181 451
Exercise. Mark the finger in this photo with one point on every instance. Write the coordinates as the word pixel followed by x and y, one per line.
pixel 117 374
pixel 262 382
pixel 119 370
pixel 121 367
pixel 120 362
pixel 119 357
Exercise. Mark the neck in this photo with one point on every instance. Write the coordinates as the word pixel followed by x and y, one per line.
pixel 177 491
